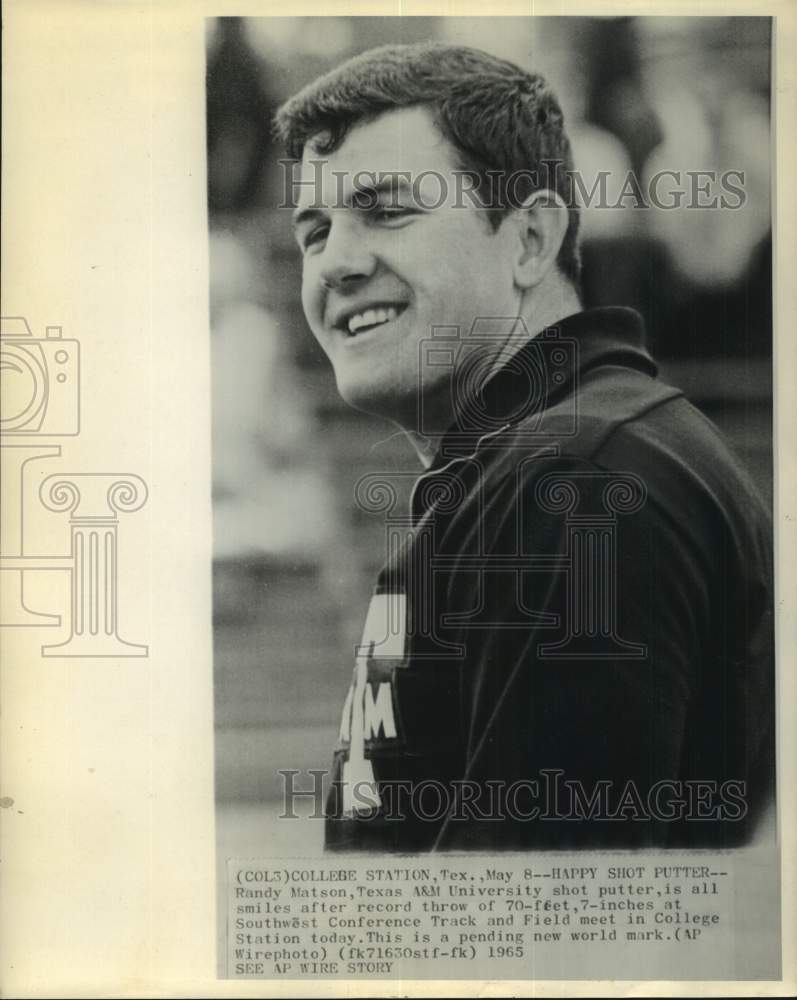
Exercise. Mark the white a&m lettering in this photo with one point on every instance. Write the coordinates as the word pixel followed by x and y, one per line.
pixel 368 711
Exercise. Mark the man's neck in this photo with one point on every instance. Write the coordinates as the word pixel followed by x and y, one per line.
pixel 544 312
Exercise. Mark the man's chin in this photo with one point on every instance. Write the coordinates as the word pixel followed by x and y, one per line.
pixel 377 399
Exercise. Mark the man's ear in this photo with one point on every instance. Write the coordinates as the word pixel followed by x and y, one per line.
pixel 542 221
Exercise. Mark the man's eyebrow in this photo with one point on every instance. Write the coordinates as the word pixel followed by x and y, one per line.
pixel 388 183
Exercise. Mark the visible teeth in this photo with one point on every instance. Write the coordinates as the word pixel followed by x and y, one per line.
pixel 371 317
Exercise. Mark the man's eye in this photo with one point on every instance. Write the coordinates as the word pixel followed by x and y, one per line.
pixel 315 235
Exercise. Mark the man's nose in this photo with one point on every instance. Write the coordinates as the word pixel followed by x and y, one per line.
pixel 346 258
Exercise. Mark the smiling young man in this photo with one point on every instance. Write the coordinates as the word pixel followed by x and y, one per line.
pixel 573 645
pixel 383 241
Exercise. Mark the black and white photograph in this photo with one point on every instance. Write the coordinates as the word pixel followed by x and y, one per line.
pixel 492 492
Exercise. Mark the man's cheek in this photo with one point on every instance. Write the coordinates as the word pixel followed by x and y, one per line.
pixel 310 307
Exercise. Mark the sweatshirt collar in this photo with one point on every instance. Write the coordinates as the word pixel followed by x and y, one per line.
pixel 546 369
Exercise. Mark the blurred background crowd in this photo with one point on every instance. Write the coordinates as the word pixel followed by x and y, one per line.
pixel 295 558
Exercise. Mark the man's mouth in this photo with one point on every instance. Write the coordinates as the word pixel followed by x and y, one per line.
pixel 370 319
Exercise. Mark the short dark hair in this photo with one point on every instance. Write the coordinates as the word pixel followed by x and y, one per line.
pixel 503 121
